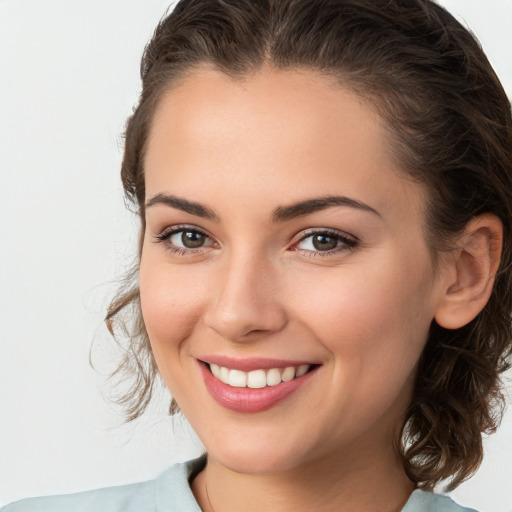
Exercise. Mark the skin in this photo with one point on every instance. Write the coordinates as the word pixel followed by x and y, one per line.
pixel 243 149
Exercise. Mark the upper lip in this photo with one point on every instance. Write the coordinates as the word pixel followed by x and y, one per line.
pixel 249 364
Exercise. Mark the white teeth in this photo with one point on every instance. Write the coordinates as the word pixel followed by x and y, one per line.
pixel 237 379
pixel 224 374
pixel 273 377
pixel 288 374
pixel 301 370
pixel 215 370
pixel 256 379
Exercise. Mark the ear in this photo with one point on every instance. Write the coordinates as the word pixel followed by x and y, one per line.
pixel 470 272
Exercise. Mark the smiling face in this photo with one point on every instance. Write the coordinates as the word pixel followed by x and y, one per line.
pixel 280 234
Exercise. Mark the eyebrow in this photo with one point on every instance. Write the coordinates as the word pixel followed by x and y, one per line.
pixel 280 214
pixel 184 205
pixel 284 213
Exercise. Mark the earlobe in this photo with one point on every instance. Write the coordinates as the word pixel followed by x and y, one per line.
pixel 470 272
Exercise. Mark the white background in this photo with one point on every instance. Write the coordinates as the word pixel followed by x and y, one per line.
pixel 68 80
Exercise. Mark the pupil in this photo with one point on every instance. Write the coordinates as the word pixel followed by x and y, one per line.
pixel 324 242
pixel 192 239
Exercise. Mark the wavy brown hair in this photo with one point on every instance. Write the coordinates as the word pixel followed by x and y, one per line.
pixel 451 130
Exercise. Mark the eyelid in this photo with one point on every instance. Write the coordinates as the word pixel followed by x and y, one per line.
pixel 165 235
pixel 349 242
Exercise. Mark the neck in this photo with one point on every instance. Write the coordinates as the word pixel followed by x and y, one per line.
pixel 360 483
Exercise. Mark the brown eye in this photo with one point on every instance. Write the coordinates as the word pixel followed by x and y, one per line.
pixel 185 239
pixel 192 239
pixel 323 242
pixel 326 242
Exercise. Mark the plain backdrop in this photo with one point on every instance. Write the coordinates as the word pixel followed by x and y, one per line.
pixel 68 80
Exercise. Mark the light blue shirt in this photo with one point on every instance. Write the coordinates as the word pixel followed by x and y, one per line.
pixel 170 492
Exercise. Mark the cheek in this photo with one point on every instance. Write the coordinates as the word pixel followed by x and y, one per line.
pixel 171 302
pixel 372 321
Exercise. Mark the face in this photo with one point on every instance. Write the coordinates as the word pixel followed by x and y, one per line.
pixel 285 281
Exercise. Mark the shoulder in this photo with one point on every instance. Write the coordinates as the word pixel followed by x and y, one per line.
pixel 422 501
pixel 170 488
pixel 138 496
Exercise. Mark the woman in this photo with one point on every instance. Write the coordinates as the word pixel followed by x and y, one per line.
pixel 324 279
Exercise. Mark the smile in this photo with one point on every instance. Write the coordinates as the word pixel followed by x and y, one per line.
pixel 257 379
pixel 260 386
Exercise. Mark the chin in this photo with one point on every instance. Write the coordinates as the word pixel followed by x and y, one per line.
pixel 256 458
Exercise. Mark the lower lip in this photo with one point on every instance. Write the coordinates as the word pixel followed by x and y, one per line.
pixel 249 399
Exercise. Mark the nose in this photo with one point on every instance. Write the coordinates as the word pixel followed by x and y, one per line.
pixel 245 304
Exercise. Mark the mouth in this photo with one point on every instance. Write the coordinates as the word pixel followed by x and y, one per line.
pixel 259 378
pixel 262 384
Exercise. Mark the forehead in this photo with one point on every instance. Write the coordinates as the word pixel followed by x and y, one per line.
pixel 276 108
pixel 293 131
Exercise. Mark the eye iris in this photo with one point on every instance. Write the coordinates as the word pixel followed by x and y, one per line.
pixel 192 239
pixel 324 242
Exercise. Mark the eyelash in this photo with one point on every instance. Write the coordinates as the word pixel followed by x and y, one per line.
pixel 164 237
pixel 347 242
